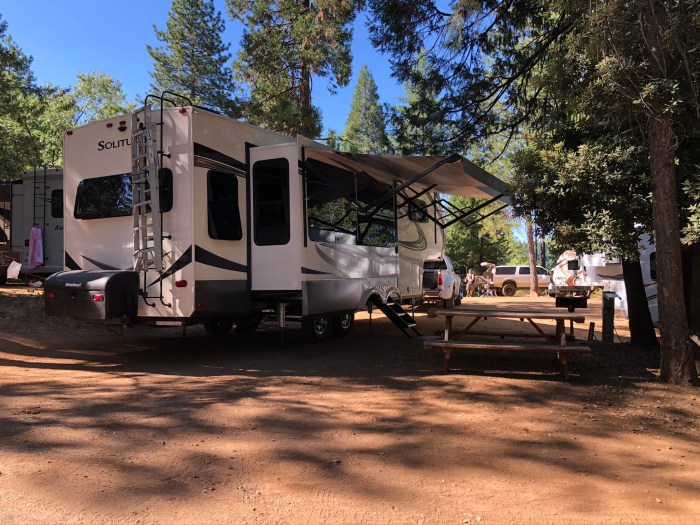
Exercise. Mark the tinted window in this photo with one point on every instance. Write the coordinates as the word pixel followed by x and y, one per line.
pixel 542 271
pixel 506 270
pixel 57 204
pixel 330 194
pixel 271 202
pixel 333 198
pixel 415 211
pixel 376 227
pixel 166 189
pixel 524 270
pixel 224 219
pixel 435 265
pixel 103 197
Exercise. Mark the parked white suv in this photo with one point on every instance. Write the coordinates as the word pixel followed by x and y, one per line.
pixel 508 279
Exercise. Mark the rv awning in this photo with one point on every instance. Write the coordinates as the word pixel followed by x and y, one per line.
pixel 462 178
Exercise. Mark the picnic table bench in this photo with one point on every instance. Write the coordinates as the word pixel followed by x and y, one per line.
pixel 552 343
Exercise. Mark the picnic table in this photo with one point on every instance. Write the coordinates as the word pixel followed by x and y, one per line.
pixel 548 342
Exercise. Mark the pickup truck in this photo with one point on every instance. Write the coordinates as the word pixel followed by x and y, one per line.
pixel 441 282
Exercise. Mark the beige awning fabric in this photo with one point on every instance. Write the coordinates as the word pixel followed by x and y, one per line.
pixel 462 178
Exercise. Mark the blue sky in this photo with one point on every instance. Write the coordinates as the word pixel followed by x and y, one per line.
pixel 80 36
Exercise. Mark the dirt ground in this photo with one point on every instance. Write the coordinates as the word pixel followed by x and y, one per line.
pixel 150 427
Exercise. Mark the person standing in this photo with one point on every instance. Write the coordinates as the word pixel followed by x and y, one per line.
pixel 470 279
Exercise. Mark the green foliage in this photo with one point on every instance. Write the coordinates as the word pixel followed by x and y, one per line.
pixel 285 44
pixel 193 61
pixel 416 128
pixel 365 128
pixel 97 96
pixel 479 238
pixel 592 198
pixel 18 147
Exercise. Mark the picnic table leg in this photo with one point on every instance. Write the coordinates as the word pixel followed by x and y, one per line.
pixel 561 332
pixel 564 361
pixel 446 361
pixel 448 327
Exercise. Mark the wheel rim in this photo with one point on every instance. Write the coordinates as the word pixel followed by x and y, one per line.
pixel 345 321
pixel 320 325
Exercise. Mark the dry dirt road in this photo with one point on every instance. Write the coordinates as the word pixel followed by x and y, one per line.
pixel 148 427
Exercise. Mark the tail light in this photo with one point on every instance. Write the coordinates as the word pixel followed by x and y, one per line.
pixel 439 278
pixel 98 298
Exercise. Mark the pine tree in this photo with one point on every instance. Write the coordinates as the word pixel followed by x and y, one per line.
pixel 415 130
pixel 193 61
pixel 285 45
pixel 365 128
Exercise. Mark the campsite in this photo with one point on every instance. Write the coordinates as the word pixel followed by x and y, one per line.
pixel 150 427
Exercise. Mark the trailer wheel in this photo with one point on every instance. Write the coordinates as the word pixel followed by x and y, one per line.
pixel 316 328
pixel 509 289
pixel 218 325
pixel 248 324
pixel 341 324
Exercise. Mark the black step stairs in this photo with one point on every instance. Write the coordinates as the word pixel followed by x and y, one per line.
pixel 400 317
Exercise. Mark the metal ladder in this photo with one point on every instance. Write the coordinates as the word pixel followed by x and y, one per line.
pixel 148 228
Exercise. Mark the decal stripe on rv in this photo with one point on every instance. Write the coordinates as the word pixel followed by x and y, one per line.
pixel 184 260
pixel 100 265
pixel 210 259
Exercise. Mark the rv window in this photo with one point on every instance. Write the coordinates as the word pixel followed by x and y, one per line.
pixel 222 206
pixel 271 202
pixel 57 204
pixel 415 211
pixel 572 265
pixel 378 227
pixel 103 197
pixel 330 193
pixel 166 189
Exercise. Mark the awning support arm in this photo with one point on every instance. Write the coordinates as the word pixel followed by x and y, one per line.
pixel 474 210
pixel 389 194
pixel 482 217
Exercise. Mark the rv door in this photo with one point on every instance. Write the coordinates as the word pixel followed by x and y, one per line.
pixel 275 219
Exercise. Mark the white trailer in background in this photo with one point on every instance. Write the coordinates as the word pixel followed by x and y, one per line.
pixel 35 200
pixel 575 276
pixel 182 216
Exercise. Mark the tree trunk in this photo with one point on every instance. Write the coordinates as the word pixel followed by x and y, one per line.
pixel 677 364
pixel 641 326
pixel 543 253
pixel 534 290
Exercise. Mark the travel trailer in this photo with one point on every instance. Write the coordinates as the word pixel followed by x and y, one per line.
pixel 181 216
pixel 577 276
pixel 33 202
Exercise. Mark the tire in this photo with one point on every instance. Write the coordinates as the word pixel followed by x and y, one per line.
pixel 218 325
pixel 316 328
pixel 449 303
pixel 341 324
pixel 3 279
pixel 509 289
pixel 248 324
pixel 458 297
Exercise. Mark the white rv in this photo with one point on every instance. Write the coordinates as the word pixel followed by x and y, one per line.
pixel 240 220
pixel 34 201
pixel 575 275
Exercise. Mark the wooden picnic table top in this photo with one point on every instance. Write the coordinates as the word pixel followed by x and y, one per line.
pixel 505 313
